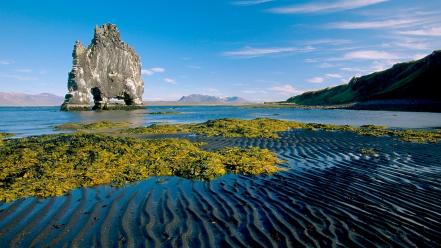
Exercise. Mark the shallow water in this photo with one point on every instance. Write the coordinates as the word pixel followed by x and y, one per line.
pixel 329 196
pixel 25 121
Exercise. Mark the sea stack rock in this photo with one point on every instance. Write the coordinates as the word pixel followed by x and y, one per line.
pixel 108 72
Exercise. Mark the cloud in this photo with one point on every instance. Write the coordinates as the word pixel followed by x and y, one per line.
pixel 433 31
pixel 331 42
pixel 250 52
pixel 327 65
pixel 6 62
pixel 157 69
pixel 419 56
pixel 381 65
pixel 151 71
pixel 286 89
pixel 24 70
pixel 413 44
pixel 373 24
pixel 19 77
pixel 251 2
pixel 334 75
pixel 376 65
pixel 352 69
pixel 316 80
pixel 196 67
pixel 170 80
pixel 325 6
pixel 255 91
pixel 369 55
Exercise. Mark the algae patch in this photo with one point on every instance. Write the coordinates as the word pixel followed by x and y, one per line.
pixel 368 152
pixel 4 136
pixel 269 128
pixel 159 129
pixel 92 126
pixel 52 165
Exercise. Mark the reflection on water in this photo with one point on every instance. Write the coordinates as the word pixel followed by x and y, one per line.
pixel 136 117
pixel 26 121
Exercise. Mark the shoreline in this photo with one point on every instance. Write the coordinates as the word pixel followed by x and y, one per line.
pixel 328 185
pixel 267 105
pixel 97 153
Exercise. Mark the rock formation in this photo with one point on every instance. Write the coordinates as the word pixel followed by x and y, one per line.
pixel 106 71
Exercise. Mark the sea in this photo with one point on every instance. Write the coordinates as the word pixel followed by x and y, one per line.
pixel 28 121
pixel 328 194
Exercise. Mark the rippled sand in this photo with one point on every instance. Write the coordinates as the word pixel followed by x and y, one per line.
pixel 330 195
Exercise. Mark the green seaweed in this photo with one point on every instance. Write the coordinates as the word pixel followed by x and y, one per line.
pixel 92 126
pixel 159 129
pixel 368 151
pixel 3 136
pixel 257 128
pixel 52 165
pixel 269 128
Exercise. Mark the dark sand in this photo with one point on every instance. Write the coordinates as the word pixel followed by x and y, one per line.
pixel 330 195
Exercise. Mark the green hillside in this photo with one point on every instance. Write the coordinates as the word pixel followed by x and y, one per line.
pixel 415 80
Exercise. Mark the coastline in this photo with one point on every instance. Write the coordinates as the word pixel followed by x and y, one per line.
pixel 323 189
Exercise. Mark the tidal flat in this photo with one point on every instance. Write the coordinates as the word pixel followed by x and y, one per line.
pixel 333 186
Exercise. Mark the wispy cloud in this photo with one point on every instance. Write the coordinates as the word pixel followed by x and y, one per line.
pixel 331 42
pixel 151 71
pixel 250 52
pixel 170 80
pixel 6 62
pixel 334 75
pixel 19 77
pixel 412 44
pixel 432 31
pixel 419 56
pixel 254 91
pixel 382 24
pixel 25 70
pixel 286 89
pixel 369 55
pixel 375 65
pixel 250 2
pixel 316 80
pixel 196 67
pixel 381 65
pixel 325 6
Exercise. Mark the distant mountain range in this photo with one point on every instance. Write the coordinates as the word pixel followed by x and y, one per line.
pixel 414 85
pixel 196 98
pixel 46 99
pixel 21 99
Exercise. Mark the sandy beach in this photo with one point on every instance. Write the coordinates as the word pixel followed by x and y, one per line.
pixel 330 195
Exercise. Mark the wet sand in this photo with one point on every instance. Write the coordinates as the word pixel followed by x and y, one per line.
pixel 330 195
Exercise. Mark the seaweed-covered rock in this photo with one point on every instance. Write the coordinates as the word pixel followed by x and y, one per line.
pixel 108 69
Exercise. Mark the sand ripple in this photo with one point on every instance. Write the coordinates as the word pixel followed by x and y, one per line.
pixel 330 196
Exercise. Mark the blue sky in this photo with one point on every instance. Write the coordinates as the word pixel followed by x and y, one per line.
pixel 262 50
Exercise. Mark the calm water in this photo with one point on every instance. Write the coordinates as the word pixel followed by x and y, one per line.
pixel 25 121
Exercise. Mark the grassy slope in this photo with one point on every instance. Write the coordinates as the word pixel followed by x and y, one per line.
pixel 412 80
